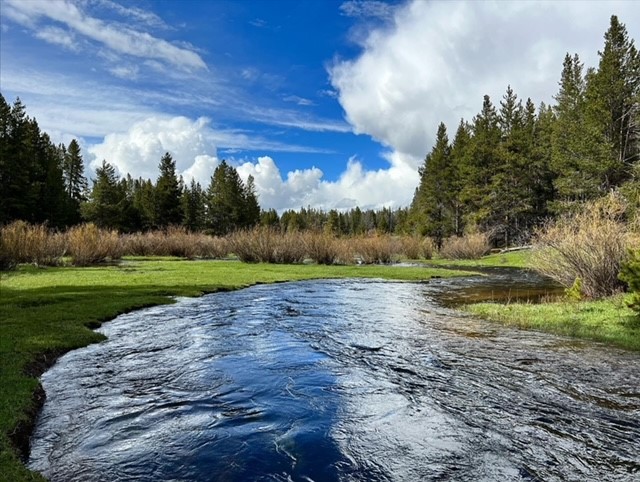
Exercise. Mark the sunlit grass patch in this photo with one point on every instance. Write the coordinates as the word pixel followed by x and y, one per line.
pixel 608 320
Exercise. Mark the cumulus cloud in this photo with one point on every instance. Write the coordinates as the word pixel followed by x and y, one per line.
pixel 438 59
pixel 138 151
pixel 356 186
pixel 194 146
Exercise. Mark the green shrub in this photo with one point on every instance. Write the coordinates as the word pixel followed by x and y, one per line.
pixel 630 274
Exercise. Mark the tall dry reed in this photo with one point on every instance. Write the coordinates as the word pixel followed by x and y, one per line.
pixel 89 245
pixel 267 245
pixel 175 241
pixel 21 242
pixel 415 247
pixel 373 250
pixel 469 246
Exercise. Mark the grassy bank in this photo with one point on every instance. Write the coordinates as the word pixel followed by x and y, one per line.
pixel 512 259
pixel 608 320
pixel 48 311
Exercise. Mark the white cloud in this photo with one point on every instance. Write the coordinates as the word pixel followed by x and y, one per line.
pixel 355 187
pixel 439 58
pixel 142 16
pixel 129 72
pixel 138 151
pixel 367 8
pixel 194 146
pixel 192 143
pixel 298 100
pixel 58 36
pixel 120 39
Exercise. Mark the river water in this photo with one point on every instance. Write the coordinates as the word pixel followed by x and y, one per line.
pixel 338 380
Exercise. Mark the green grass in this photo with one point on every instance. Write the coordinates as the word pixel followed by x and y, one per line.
pixel 513 259
pixel 609 320
pixel 45 312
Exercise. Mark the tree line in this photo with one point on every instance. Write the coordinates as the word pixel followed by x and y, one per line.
pixel 512 167
pixel 506 171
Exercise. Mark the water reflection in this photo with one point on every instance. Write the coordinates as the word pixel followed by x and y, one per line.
pixel 336 380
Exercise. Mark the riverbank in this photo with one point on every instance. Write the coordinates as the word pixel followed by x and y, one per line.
pixel 45 312
pixel 607 320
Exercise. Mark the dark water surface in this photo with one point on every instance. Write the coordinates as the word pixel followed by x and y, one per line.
pixel 337 380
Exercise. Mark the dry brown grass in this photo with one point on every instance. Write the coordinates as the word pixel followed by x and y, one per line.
pixel 21 242
pixel 469 246
pixel 373 250
pixel 321 247
pixel 89 245
pixel 586 249
pixel 266 245
pixel 415 247
pixel 175 241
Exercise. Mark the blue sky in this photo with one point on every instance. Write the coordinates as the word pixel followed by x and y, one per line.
pixel 326 103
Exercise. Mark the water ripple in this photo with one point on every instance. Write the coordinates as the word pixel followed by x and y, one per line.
pixel 336 380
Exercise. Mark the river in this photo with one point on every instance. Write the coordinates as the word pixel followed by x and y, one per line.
pixel 338 380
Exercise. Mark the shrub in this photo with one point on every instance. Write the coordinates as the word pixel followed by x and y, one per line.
pixel 321 247
pixel 266 245
pixel 589 245
pixel 21 242
pixel 469 246
pixel 630 274
pixel 416 247
pixel 89 245
pixel 373 250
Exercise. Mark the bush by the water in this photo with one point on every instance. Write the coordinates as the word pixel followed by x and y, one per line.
pixel 373 250
pixel 267 245
pixel 89 245
pixel 469 246
pixel 590 246
pixel 175 241
pixel 630 274
pixel 416 247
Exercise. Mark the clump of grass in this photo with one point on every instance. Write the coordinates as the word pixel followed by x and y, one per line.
pixel 416 247
pixel 469 246
pixel 21 242
pixel 587 247
pixel 374 250
pixel 267 245
pixel 321 247
pixel 89 245
pixel 175 241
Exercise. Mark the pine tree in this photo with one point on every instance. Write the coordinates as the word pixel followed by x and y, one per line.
pixel 75 184
pixel 612 102
pixel 193 202
pixel 579 152
pixel 168 208
pixel 104 207
pixel 251 208
pixel 477 193
pixel 431 207
pixel 460 163
pixel 225 200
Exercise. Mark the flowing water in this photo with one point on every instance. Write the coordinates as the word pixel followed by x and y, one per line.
pixel 338 380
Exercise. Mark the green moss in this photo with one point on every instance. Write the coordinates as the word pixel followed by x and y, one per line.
pixel 49 311
pixel 608 320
